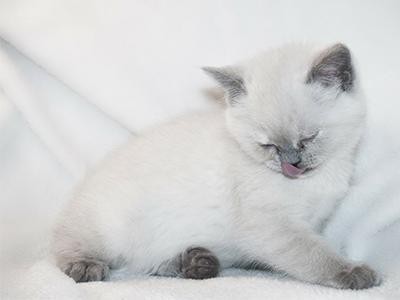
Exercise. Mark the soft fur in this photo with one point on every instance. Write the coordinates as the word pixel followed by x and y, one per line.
pixel 252 182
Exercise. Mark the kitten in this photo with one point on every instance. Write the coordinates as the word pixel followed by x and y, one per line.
pixel 252 182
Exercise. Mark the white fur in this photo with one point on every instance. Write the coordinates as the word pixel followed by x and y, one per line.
pixel 204 180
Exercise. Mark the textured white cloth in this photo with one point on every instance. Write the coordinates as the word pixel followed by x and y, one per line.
pixel 77 78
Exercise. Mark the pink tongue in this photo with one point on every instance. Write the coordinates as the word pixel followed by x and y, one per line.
pixel 290 170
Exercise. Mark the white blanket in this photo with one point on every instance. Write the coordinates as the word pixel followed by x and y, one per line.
pixel 77 78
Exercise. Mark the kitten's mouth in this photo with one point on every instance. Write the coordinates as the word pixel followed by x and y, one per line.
pixel 291 171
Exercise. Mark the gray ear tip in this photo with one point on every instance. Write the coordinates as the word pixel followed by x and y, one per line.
pixel 341 45
pixel 333 67
pixel 228 79
pixel 341 48
pixel 209 70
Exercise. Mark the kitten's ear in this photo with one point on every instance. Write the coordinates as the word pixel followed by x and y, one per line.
pixel 230 80
pixel 333 68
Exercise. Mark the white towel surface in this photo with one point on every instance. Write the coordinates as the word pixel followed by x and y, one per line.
pixel 77 78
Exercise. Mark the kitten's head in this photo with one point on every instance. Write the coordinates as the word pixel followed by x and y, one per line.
pixel 294 108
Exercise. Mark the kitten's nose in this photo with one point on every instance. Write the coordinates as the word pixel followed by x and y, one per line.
pixel 290 155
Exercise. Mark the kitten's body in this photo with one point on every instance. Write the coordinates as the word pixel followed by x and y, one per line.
pixel 197 181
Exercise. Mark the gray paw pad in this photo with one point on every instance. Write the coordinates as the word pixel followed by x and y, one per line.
pixel 356 278
pixel 199 263
pixel 83 271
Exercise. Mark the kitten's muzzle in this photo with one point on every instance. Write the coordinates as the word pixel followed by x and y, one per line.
pixel 290 158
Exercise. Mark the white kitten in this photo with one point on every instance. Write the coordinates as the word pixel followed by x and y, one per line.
pixel 213 190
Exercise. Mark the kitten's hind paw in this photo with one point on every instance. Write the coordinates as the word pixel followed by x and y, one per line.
pixel 199 263
pixel 87 270
pixel 357 278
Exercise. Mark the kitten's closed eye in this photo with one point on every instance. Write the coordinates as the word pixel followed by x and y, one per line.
pixel 270 147
pixel 303 142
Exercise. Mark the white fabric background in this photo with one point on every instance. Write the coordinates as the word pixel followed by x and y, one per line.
pixel 79 77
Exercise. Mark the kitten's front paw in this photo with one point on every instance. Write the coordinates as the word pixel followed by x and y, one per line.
pixel 199 263
pixel 83 271
pixel 357 278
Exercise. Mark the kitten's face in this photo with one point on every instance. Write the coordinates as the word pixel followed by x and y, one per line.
pixel 294 108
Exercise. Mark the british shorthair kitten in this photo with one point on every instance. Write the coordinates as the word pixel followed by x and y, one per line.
pixel 252 182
